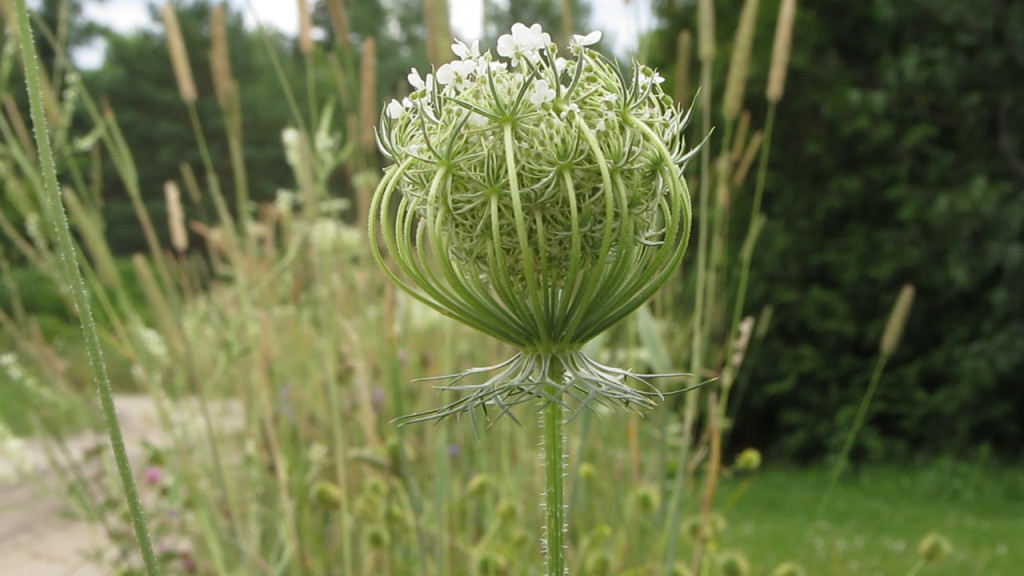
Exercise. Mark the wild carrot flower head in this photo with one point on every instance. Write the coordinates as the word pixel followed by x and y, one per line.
pixel 536 198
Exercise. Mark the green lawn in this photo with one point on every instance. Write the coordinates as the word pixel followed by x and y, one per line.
pixel 876 518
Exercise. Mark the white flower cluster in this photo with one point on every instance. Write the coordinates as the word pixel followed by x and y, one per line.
pixel 524 47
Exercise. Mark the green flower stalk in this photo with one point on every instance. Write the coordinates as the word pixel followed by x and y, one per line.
pixel 537 199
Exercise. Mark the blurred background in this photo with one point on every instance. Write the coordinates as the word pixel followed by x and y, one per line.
pixel 897 158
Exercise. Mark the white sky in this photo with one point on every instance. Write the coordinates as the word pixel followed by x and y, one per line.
pixel 621 22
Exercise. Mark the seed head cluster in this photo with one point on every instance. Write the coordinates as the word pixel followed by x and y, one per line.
pixel 556 139
pixel 535 197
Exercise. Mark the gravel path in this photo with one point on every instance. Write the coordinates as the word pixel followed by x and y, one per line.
pixel 37 536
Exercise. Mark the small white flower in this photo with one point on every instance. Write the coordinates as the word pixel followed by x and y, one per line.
pixel 506 46
pixel 560 65
pixel 445 74
pixel 523 42
pixel 456 72
pixel 542 92
pixel 417 82
pixel 649 76
pixel 284 201
pixel 466 52
pixel 290 139
pixel 395 109
pixel 588 40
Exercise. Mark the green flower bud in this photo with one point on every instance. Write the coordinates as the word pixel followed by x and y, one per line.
pixel 733 563
pixel 479 485
pixel 537 199
pixel 326 495
pixel 519 539
pixel 377 537
pixel 587 471
pixel 646 499
pixel 506 511
pixel 748 460
pixel 934 548
pixel 694 528
pixel 377 487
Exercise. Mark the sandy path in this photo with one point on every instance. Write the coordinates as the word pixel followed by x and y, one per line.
pixel 37 537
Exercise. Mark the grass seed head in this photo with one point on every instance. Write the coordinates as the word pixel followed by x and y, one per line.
pixel 179 55
pixel 780 50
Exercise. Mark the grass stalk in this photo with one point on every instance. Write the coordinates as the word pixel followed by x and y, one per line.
pixel 58 220
pixel 753 227
pixel 706 46
pixel 887 346
pixel 851 436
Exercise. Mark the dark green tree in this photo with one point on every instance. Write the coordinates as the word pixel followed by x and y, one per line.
pixel 897 159
pixel 137 81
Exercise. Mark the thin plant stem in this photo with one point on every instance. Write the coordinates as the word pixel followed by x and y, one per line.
pixel 852 434
pixel 710 481
pixel 553 418
pixel 697 341
pixel 339 442
pixel 211 175
pixel 282 78
pixel 73 276
pixel 755 211
pixel 236 151
pixel 916 567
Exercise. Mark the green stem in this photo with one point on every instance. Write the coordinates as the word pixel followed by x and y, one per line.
pixel 554 473
pixel 697 340
pixel 755 213
pixel 916 567
pixel 73 276
pixel 852 434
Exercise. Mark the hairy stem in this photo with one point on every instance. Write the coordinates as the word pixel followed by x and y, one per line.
pixel 73 276
pixel 555 506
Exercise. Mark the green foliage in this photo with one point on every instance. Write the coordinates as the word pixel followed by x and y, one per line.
pixel 896 161
pixel 137 82
pixel 879 517
pixel 397 27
